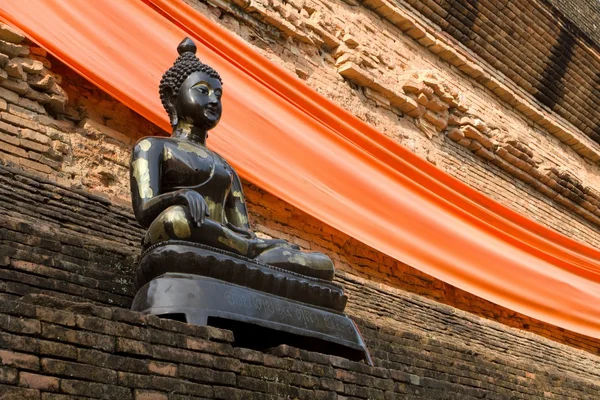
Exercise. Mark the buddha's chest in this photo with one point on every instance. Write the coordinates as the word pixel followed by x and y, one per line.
pixel 186 165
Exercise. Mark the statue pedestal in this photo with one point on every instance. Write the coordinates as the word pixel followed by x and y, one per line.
pixel 202 300
pixel 264 306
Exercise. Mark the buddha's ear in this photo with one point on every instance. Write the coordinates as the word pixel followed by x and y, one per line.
pixel 170 100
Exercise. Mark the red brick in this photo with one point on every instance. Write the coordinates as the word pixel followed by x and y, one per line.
pixel 19 360
pixel 41 382
pixel 161 368
pixel 150 395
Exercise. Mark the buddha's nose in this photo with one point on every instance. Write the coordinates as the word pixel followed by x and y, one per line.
pixel 213 100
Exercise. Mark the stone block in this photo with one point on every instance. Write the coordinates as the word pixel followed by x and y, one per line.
pixel 435 104
pixel 19 360
pixel 10 49
pixel 149 395
pixel 59 350
pixel 377 97
pixel 96 129
pixel 14 70
pixel 95 390
pixel 29 65
pixel 9 375
pixel 17 393
pixel 17 151
pixel 35 136
pixel 41 382
pixel 355 74
pixel 350 41
pixel 32 105
pixel 10 34
pixel 58 103
pixel 10 139
pixel 19 121
pixel 38 51
pixel 17 86
pixel 422 99
pixel 437 120
pixel 78 370
pixel 412 87
pixel 39 97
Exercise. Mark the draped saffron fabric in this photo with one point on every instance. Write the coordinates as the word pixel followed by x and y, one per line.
pixel 294 143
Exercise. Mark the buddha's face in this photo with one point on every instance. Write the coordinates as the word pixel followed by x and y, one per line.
pixel 199 101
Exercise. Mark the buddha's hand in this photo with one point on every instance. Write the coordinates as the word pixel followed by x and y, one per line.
pixel 196 204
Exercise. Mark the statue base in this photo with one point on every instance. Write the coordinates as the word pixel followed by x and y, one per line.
pixel 197 259
pixel 203 300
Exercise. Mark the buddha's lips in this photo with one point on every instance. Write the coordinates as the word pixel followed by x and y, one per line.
pixel 212 113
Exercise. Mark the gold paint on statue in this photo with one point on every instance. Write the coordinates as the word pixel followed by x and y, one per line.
pixel 238 194
pixel 176 216
pixel 145 145
pixel 192 148
pixel 142 177
pixel 167 155
pixel 215 210
pixel 240 216
pixel 233 242
pixel 157 232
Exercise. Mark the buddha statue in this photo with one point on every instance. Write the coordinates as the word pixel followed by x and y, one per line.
pixel 183 191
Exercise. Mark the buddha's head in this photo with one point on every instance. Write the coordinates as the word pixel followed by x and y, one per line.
pixel 190 90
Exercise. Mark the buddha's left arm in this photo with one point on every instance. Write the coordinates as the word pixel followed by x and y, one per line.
pixel 235 205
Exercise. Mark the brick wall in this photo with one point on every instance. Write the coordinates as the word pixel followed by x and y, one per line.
pixel 66 331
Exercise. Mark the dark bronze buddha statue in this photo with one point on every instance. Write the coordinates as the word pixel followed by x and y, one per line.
pixel 181 190
pixel 201 263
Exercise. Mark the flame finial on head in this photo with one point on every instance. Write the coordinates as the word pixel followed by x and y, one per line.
pixel 187 45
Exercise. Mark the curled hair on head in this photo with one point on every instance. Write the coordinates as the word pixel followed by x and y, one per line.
pixel 186 64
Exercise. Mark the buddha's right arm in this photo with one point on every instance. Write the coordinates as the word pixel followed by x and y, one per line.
pixel 146 197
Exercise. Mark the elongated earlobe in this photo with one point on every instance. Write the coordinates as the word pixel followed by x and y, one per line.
pixel 170 105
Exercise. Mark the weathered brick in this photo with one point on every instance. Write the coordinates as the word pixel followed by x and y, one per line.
pixel 161 368
pixel 19 360
pixel 77 370
pixel 41 382
pixel 162 383
pixel 55 316
pixel 81 338
pixel 96 390
pixel 56 349
pixel 149 395
pixel 206 375
pixel 133 347
pixel 17 393
pixel 9 375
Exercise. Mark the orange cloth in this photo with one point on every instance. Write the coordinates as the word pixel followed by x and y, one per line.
pixel 301 147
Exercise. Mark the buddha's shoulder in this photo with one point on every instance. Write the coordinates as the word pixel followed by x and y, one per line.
pixel 153 142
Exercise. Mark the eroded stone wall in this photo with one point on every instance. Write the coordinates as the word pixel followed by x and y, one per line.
pixel 66 331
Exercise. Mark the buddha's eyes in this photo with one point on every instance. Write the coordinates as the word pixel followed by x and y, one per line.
pixel 206 90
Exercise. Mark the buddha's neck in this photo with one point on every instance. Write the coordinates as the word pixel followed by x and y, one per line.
pixel 187 131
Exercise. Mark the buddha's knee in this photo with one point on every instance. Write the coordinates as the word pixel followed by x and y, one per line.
pixel 172 223
pixel 317 265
